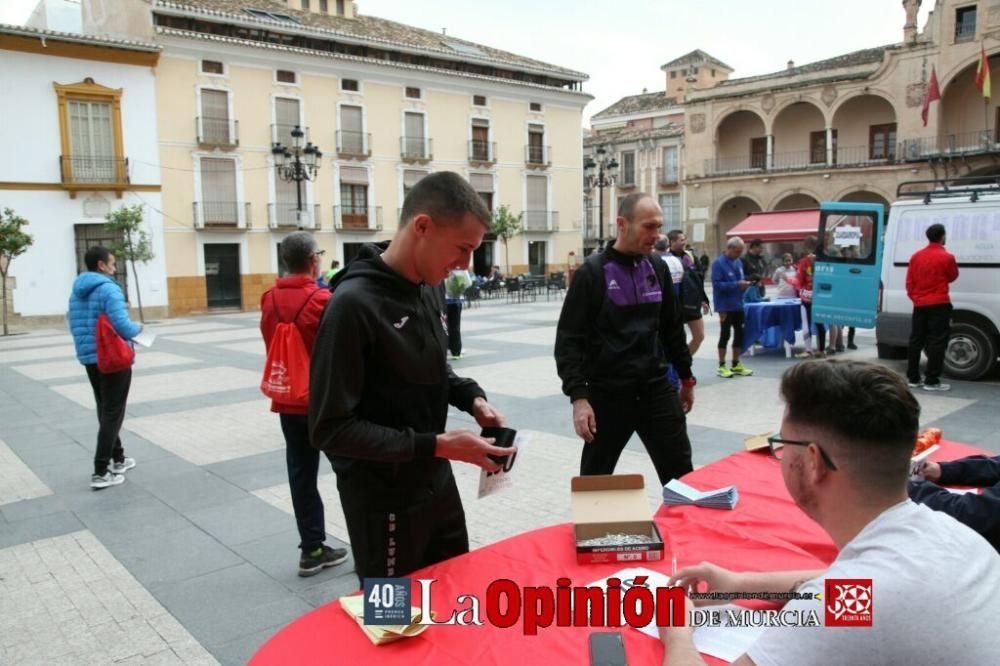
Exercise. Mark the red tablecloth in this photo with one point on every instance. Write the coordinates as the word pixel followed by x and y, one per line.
pixel 766 531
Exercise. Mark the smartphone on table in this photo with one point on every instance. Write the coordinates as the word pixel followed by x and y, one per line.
pixel 607 649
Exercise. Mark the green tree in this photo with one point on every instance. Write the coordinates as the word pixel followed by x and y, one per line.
pixel 14 241
pixel 506 225
pixel 133 245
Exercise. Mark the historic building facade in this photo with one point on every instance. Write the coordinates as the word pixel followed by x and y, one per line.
pixel 844 129
pixel 385 104
pixel 79 130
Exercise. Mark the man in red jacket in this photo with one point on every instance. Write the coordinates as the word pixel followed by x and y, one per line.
pixel 296 298
pixel 930 272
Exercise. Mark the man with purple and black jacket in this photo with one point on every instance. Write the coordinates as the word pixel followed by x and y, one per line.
pixel 621 323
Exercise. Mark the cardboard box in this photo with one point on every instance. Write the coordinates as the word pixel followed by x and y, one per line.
pixel 613 504
pixel 757 442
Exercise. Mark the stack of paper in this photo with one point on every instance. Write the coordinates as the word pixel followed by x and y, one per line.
pixel 382 634
pixel 678 493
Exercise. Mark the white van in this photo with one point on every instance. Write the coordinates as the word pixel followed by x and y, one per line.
pixel 970 212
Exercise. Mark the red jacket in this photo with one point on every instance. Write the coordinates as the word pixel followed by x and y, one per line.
pixel 931 270
pixel 280 304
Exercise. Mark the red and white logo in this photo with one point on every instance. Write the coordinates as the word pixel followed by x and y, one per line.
pixel 848 602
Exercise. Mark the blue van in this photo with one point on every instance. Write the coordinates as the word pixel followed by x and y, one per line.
pixel 848 265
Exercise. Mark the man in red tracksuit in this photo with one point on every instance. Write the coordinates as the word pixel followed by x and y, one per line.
pixel 930 272
pixel 296 298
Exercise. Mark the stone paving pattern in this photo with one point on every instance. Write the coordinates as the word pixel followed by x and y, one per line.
pixel 193 560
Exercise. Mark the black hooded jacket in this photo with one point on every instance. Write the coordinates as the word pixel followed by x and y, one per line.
pixel 380 384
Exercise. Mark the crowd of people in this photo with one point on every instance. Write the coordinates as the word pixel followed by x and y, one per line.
pixel 374 347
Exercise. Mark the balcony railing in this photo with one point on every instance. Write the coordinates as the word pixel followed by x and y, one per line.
pixel 281 215
pixel 855 156
pixel 965 32
pixel 843 157
pixel 669 177
pixel 416 148
pixel 354 144
pixel 282 133
pixel 982 142
pixel 86 172
pixel 535 155
pixel 217 131
pixel 541 220
pixel 358 219
pixel 482 151
pixel 221 215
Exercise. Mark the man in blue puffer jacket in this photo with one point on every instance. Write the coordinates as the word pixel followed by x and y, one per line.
pixel 95 292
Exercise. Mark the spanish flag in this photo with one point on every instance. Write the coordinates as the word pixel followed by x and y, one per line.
pixel 983 73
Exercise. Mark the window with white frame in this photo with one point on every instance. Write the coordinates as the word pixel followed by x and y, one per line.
pixel 214 125
pixel 92 141
pixel 671 205
pixel 670 165
pixel 628 167
pixel 410 178
pixel 414 142
pixel 287 116
pixel 218 191
pixel 352 138
pixel 354 197
pixel 536 215
pixel 483 183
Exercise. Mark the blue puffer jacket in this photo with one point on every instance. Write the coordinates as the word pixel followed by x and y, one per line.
pixel 95 294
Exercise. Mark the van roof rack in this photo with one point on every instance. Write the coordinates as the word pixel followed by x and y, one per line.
pixel 970 186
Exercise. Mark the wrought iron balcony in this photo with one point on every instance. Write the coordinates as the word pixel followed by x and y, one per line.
pixel 354 144
pixel 482 152
pixel 217 131
pixel 538 156
pixel 234 215
pixel 416 149
pixel 358 219
pixel 541 220
pixel 286 215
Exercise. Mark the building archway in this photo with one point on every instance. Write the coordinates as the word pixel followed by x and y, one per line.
pixel 732 212
pixel 864 130
pixel 796 201
pixel 740 143
pixel 966 121
pixel 799 132
pixel 866 196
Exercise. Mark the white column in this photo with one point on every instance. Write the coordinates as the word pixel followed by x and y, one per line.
pixel 769 160
pixel 829 146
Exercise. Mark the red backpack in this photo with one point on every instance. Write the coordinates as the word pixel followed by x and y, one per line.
pixel 114 354
pixel 286 370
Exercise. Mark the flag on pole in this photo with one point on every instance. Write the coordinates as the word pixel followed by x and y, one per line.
pixel 983 73
pixel 933 95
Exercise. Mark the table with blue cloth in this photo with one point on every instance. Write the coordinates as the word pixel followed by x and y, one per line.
pixel 772 323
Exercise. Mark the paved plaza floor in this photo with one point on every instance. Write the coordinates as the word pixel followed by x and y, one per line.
pixel 193 560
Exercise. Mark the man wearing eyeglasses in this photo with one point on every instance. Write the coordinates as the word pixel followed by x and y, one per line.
pixel 845 445
pixel 296 298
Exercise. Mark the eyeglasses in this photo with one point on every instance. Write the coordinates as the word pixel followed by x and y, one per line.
pixel 777 444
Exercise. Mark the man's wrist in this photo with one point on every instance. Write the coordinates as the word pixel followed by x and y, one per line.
pixel 689 382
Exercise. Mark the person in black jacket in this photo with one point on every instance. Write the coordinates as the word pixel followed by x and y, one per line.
pixel 380 387
pixel 620 324
pixel 980 512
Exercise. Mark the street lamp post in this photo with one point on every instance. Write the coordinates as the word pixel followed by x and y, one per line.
pixel 599 171
pixel 297 163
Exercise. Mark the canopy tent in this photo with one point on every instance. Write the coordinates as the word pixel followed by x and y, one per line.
pixel 778 225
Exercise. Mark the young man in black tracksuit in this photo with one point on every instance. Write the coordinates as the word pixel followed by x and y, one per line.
pixel 620 324
pixel 981 512
pixel 380 387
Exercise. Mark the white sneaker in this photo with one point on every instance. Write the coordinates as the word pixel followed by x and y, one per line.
pixel 937 387
pixel 122 467
pixel 912 384
pixel 109 479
